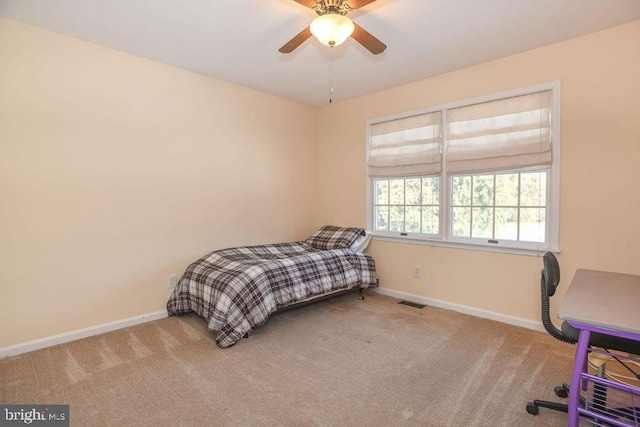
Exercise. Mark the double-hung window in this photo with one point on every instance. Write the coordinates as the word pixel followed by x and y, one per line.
pixel 481 172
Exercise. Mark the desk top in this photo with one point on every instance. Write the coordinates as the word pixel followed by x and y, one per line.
pixel 604 299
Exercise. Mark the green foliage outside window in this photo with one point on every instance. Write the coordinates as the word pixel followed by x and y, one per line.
pixel 509 206
pixel 499 206
pixel 407 205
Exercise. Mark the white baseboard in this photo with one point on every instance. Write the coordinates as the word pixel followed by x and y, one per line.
pixel 26 347
pixel 511 320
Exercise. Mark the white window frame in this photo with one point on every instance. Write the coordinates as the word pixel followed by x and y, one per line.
pixel 444 238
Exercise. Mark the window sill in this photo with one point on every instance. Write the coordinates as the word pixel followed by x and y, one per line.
pixel 516 250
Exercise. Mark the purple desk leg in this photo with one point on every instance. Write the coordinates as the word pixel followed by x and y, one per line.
pixel 578 367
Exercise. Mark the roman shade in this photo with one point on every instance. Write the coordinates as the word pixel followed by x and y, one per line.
pixel 509 133
pixel 408 146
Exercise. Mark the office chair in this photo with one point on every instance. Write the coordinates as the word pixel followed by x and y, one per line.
pixel 567 333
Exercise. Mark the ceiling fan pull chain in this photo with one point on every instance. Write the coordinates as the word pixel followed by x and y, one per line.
pixel 331 75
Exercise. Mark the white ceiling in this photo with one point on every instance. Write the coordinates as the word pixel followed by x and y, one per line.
pixel 238 40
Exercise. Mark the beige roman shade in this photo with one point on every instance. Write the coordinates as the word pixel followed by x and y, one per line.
pixel 505 134
pixel 408 146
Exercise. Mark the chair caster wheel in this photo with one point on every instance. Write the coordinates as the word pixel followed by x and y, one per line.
pixel 561 392
pixel 532 408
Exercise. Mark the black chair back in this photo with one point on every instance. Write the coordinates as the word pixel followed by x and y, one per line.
pixel 550 273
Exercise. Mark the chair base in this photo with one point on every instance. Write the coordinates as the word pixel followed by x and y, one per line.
pixel 561 391
pixel 534 407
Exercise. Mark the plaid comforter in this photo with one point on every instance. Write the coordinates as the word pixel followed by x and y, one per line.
pixel 238 288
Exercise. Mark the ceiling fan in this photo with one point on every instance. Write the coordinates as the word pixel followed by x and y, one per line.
pixel 332 27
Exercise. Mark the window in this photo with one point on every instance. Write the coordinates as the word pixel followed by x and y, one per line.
pixel 407 205
pixel 509 206
pixel 480 172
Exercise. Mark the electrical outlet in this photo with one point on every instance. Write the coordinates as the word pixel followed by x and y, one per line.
pixel 416 271
pixel 172 281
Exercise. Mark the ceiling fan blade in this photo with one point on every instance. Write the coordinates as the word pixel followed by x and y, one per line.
pixel 296 41
pixel 365 38
pixel 357 4
pixel 308 3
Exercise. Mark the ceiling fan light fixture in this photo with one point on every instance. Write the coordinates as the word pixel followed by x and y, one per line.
pixel 332 29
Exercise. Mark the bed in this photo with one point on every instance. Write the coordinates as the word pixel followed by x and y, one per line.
pixel 237 289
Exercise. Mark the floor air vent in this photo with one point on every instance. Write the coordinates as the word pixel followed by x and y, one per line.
pixel 412 304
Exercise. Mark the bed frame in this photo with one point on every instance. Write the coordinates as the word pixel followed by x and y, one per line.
pixel 319 298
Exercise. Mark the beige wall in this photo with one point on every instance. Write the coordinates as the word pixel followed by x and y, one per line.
pixel 600 172
pixel 116 171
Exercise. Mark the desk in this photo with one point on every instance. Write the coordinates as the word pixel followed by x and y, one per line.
pixel 604 302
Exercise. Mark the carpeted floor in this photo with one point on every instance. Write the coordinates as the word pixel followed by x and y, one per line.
pixel 341 362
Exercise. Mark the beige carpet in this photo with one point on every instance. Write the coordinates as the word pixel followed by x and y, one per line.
pixel 341 362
